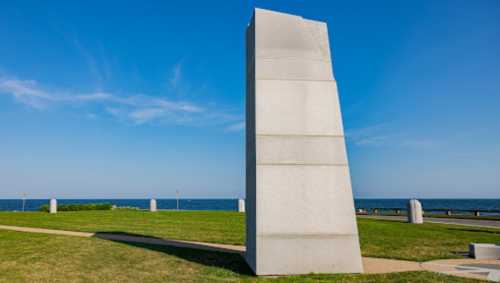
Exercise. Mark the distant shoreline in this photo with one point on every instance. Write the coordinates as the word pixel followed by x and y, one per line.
pixel 231 204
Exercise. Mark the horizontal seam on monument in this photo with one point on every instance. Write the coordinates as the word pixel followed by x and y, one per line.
pixel 299 80
pixel 300 136
pixel 300 164
pixel 309 236
pixel 295 58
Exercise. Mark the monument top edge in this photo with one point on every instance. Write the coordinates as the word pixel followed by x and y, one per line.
pixel 278 13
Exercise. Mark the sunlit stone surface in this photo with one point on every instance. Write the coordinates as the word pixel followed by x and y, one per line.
pixel 152 205
pixel 53 205
pixel 299 204
pixel 484 251
pixel 241 205
pixel 415 213
pixel 494 276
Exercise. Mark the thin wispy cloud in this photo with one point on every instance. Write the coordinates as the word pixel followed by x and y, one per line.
pixel 381 135
pixel 178 85
pixel 175 76
pixel 26 92
pixel 91 116
pixel 98 66
pixel 137 109
pixel 419 143
pixel 240 126
pixel 368 136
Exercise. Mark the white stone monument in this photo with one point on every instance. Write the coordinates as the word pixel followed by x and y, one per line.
pixel 152 205
pixel 53 205
pixel 299 204
pixel 415 213
pixel 241 205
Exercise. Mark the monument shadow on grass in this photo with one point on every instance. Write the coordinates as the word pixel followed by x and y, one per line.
pixel 206 255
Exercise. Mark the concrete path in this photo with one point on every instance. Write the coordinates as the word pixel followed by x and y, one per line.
pixel 454 221
pixel 117 237
pixel 374 265
pixel 470 268
pixel 467 267
pixel 46 231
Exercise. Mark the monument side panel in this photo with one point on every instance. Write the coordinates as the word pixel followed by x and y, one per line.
pixel 300 217
pixel 250 178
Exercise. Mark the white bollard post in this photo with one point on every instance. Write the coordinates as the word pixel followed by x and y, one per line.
pixel 152 205
pixel 241 205
pixel 415 213
pixel 53 205
pixel 494 276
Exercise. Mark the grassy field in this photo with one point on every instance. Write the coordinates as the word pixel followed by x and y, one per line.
pixel 400 240
pixel 453 216
pixel 379 238
pixel 465 216
pixel 203 226
pixel 27 257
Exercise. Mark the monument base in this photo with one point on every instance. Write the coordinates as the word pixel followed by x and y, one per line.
pixel 286 254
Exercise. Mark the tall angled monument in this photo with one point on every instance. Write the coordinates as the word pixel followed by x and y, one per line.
pixel 299 203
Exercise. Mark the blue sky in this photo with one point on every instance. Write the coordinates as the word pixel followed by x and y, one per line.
pixel 142 98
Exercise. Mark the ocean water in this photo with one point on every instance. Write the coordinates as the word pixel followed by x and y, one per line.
pixel 185 204
pixel 430 205
pixel 232 204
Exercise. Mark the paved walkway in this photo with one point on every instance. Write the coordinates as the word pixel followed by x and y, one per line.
pixel 454 221
pixel 467 267
pixel 470 268
pixel 121 237
pixel 46 231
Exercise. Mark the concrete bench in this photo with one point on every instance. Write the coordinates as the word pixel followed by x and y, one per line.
pixel 484 251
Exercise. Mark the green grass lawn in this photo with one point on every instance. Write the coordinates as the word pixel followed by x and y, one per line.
pixel 379 238
pixel 400 240
pixel 29 257
pixel 204 226
pixel 453 216
pixel 465 216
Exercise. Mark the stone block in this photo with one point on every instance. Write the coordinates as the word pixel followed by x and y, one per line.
pixel 277 149
pixel 241 205
pixel 307 105
pixel 293 69
pixel 484 251
pixel 53 205
pixel 152 205
pixel 494 276
pixel 415 212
